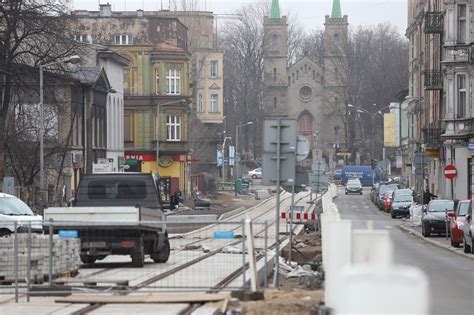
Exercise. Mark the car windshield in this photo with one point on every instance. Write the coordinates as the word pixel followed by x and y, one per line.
pixel 441 206
pixel 353 182
pixel 403 198
pixel 463 208
pixel 14 206
pixel 384 188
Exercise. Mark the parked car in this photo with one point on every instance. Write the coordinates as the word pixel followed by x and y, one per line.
pixel 14 210
pixel 381 190
pixel 256 173
pixel 246 179
pixel 434 217
pixel 337 174
pixel 457 223
pixel 401 204
pixel 353 186
pixel 468 232
pixel 373 192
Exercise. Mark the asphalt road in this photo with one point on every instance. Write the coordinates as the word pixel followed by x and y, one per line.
pixel 451 276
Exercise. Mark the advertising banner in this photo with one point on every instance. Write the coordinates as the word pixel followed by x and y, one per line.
pixel 390 130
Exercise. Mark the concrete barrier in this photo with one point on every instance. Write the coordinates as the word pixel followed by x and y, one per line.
pixel 231 213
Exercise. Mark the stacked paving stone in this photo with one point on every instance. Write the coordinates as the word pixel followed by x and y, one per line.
pixel 65 256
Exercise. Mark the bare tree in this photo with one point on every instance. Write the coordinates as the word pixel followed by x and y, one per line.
pixel 33 32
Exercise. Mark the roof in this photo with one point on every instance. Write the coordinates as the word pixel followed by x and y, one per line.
pixel 336 10
pixel 275 11
pixel 4 195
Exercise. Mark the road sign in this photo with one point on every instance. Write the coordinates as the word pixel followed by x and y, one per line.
pixel 286 138
pixel 420 159
pixel 316 178
pixel 450 171
pixel 318 166
pixel 302 148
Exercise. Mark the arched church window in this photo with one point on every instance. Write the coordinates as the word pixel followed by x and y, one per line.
pixel 274 74
pixel 275 102
pixel 289 80
pixel 275 42
pixel 293 77
pixel 305 127
pixel 297 74
pixel 305 69
pixel 314 75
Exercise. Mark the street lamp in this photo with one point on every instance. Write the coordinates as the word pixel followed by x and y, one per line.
pixel 158 130
pixel 237 164
pixel 72 60
pixel 372 117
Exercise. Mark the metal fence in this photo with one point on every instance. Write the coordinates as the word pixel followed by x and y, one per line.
pixel 204 256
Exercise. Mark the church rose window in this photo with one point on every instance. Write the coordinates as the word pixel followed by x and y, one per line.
pixel 306 93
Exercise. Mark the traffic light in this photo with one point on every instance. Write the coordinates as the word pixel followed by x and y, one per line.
pixel 373 164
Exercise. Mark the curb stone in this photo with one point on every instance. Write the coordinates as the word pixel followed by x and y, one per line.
pixel 433 242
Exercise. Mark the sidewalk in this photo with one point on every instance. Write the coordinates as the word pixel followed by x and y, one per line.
pixel 439 241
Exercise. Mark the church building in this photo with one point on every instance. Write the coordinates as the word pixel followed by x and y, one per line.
pixel 311 92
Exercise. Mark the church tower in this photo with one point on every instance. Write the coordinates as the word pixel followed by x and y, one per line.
pixel 335 71
pixel 275 54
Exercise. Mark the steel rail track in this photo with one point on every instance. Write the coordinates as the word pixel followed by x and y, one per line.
pixel 219 286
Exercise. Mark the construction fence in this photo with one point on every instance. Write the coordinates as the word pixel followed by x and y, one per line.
pixel 203 256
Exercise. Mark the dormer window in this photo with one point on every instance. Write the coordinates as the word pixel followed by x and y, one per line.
pixel 123 40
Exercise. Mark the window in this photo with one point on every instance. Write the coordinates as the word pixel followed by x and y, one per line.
pixel 200 103
pixel 461 24
pixel 157 81
pixel 214 69
pixel 214 103
pixel 274 74
pixel 173 125
pixel 123 40
pixel 461 101
pixel 173 81
pixel 275 42
pixel 81 38
pixel 275 102
pixel 128 127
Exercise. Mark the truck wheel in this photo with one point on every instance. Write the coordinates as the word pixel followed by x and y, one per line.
pixel 138 255
pixel 87 259
pixel 5 232
pixel 163 253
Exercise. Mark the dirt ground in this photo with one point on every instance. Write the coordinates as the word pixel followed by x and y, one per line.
pixel 296 295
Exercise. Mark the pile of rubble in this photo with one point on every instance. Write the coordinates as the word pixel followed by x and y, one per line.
pixel 65 256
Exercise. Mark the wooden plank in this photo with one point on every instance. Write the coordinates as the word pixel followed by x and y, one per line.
pixel 148 298
pixel 90 280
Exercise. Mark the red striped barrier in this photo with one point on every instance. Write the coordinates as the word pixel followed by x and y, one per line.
pixel 299 216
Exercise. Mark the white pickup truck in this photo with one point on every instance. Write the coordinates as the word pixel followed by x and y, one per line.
pixel 115 214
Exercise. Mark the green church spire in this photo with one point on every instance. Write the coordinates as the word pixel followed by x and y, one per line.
pixel 336 9
pixel 275 13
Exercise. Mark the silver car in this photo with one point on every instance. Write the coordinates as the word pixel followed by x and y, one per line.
pixel 468 232
pixel 13 212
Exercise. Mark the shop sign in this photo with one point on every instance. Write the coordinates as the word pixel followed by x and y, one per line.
pixel 141 157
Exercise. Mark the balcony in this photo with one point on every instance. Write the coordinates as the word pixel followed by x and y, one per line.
pixel 433 80
pixel 432 136
pixel 433 23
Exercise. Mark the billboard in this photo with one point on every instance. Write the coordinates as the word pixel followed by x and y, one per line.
pixel 390 136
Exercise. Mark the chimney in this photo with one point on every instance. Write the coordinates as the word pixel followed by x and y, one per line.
pixel 105 9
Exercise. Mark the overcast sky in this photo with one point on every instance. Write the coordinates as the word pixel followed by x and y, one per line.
pixel 310 13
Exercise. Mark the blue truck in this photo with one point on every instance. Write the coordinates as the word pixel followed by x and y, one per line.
pixel 363 172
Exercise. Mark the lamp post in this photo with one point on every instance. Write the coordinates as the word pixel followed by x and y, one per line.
pixel 372 117
pixel 237 164
pixel 158 131
pixel 72 60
